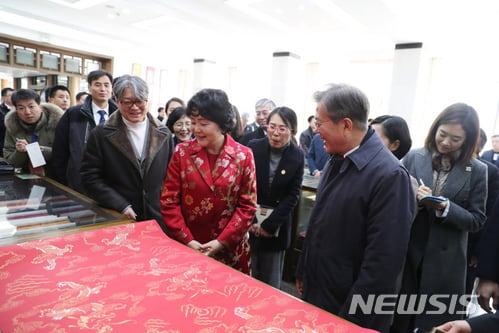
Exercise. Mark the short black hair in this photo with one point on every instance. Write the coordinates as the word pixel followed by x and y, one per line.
pixel 81 93
pixel 287 115
pixel 214 105
pixel 395 128
pixel 24 95
pixel 176 114
pixel 483 138
pixel 51 91
pixel 5 91
pixel 95 75
pixel 309 119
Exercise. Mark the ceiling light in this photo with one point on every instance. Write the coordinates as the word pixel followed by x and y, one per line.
pixel 243 6
pixel 338 13
pixel 80 4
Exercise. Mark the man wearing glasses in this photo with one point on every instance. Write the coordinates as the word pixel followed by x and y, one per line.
pixel 75 125
pixel 262 110
pixel 359 227
pixel 125 160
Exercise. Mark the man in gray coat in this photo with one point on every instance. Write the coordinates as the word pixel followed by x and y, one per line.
pixel 359 227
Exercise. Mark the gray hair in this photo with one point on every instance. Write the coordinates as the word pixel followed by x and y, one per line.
pixel 345 101
pixel 138 86
pixel 265 101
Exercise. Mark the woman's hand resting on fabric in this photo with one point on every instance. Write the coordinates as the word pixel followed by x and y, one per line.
pixel 211 248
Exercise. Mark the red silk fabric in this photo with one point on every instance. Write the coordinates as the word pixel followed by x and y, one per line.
pixel 133 278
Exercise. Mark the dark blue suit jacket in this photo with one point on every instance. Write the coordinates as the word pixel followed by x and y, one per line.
pixel 485 323
pixel 283 193
pixel 489 244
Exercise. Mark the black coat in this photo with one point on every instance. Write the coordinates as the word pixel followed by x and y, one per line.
pixel 488 156
pixel 358 233
pixel 3 112
pixel 474 243
pixel 488 259
pixel 112 175
pixel 283 193
pixel 486 323
pixel 71 135
pixel 257 134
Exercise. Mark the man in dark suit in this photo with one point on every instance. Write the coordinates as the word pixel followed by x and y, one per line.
pixel 75 125
pixel 359 227
pixel 492 194
pixel 5 107
pixel 493 155
pixel 262 110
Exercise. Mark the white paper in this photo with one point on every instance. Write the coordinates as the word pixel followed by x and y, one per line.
pixel 35 197
pixel 7 229
pixel 35 154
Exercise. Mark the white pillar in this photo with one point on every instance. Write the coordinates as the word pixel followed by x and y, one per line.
pixel 407 67
pixel 204 74
pixel 286 80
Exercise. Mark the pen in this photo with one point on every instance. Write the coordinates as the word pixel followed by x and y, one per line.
pixel 421 182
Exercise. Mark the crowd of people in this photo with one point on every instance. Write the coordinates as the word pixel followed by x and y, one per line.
pixel 387 219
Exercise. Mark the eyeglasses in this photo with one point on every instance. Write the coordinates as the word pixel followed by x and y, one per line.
pixel 262 113
pixel 137 103
pixel 179 124
pixel 279 129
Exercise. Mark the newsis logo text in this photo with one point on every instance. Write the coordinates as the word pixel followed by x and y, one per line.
pixel 412 304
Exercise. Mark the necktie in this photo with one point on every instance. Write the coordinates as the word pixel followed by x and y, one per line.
pixel 102 119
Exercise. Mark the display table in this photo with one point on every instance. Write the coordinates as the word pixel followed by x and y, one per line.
pixel 33 207
pixel 301 215
pixel 133 278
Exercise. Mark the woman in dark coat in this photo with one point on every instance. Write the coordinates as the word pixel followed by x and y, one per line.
pixel 436 257
pixel 279 172
pixel 125 160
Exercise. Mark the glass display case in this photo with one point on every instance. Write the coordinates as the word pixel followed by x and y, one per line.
pixel 33 207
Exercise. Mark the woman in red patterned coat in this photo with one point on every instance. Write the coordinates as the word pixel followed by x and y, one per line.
pixel 208 200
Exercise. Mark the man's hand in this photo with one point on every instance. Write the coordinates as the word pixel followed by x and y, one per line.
pixel 487 290
pixel 130 213
pixel 21 145
pixel 458 326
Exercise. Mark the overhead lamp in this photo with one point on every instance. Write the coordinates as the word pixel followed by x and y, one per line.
pixel 335 11
pixel 80 4
pixel 244 7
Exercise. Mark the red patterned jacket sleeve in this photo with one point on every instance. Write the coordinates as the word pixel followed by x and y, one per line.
pixel 245 208
pixel 171 209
